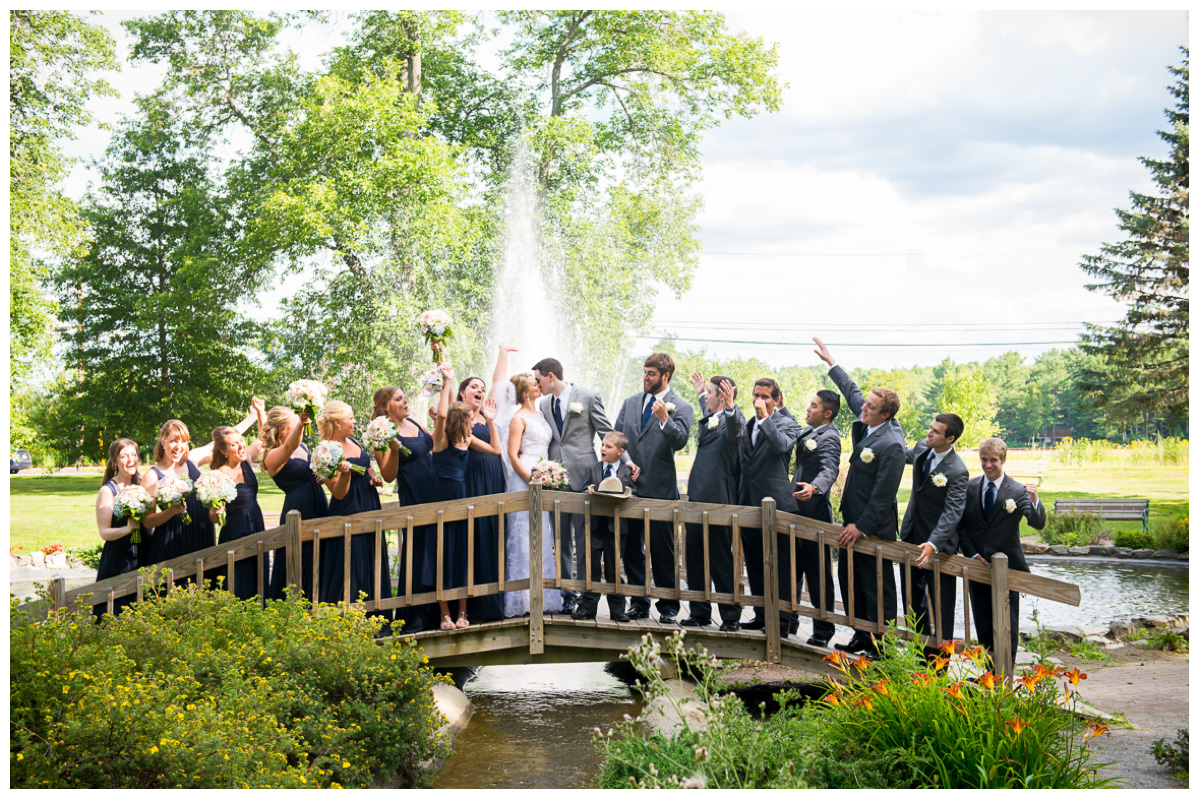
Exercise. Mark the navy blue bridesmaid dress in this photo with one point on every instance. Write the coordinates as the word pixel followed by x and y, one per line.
pixel 485 475
pixel 118 557
pixel 450 472
pixel 243 517
pixel 414 485
pixel 361 496
pixel 301 492
pixel 175 538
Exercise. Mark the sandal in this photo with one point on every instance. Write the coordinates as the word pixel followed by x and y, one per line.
pixel 447 623
pixel 462 620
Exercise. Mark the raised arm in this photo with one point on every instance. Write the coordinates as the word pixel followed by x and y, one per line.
pixel 203 454
pixel 501 371
pixel 781 433
pixel 829 456
pixel 492 447
pixel 439 427
pixel 275 459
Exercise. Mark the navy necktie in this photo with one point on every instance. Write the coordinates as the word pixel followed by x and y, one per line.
pixel 750 432
pixel 928 466
pixel 989 499
pixel 608 470
pixel 648 411
pixel 558 419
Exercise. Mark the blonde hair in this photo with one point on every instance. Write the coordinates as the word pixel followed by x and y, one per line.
pixel 889 401
pixel 221 437
pixel 171 427
pixel 458 422
pixel 271 433
pixel 995 446
pixel 524 383
pixel 334 410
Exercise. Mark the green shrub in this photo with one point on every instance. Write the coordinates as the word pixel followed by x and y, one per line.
pixel 1071 529
pixel 1167 640
pixel 1172 535
pixel 90 556
pixel 1138 540
pixel 1174 755
pixel 1081 452
pixel 201 690
pixel 895 723
pixel 1089 651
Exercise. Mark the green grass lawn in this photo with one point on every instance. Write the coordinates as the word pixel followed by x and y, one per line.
pixel 50 509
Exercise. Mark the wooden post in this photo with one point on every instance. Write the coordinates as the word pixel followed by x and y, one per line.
pixel 200 573
pixel 1002 646
pixel 408 565
pixel 707 568
pixel 906 581
pixel 587 545
pixel 295 563
pixel 230 560
pixel 470 551
pixel 879 589
pixel 378 565
pixel 260 562
pixel 140 581
pixel 794 604
pixel 499 524
pixel 821 576
pixel 316 576
pixel 677 541
pixel 346 565
pixel 535 568
pixel 58 592
pixel 770 581
pixel 558 539
pixel 938 633
pixel 738 566
pixel 170 580
pixel 966 608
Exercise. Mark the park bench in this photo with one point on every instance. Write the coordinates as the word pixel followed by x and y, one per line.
pixel 1026 471
pixel 1135 509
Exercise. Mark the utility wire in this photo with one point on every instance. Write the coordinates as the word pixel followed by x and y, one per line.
pixel 802 343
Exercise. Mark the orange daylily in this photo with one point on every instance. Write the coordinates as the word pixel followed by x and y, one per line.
pixel 949 648
pixel 865 702
pixel 861 663
pixel 940 663
pixel 833 698
pixel 1096 729
pixel 987 680
pixel 838 659
pixel 1030 681
pixel 920 678
pixel 1075 676
pixel 881 687
pixel 976 654
pixel 1018 725
pixel 1042 671
pixel 955 690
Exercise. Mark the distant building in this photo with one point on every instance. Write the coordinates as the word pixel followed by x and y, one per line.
pixel 1053 434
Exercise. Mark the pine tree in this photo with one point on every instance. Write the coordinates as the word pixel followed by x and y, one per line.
pixel 1146 355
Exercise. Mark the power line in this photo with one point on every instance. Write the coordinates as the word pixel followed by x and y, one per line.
pixel 855 344
pixel 973 327
pixel 917 254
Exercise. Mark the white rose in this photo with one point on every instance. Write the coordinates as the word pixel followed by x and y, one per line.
pixel 575 409
pixel 867 455
pixel 670 408
pixel 714 422
pixel 939 480
pixel 810 445
pixel 1010 505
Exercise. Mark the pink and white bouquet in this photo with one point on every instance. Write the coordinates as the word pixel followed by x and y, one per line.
pixel 214 488
pixel 305 396
pixel 133 502
pixel 550 474
pixel 172 491
pixel 432 381
pixel 379 434
pixel 435 326
pixel 325 458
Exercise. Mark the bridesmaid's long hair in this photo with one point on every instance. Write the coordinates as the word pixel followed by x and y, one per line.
pixel 458 422
pixel 380 400
pixel 114 452
pixel 333 410
pixel 221 437
pixel 462 387
pixel 171 427
pixel 271 433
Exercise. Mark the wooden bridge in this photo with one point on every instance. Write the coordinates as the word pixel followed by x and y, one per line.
pixel 542 637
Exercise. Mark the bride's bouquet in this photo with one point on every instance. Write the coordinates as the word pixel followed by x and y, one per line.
pixel 435 326
pixel 214 488
pixel 133 502
pixel 173 491
pixel 432 381
pixel 307 396
pixel 379 434
pixel 325 458
pixel 550 474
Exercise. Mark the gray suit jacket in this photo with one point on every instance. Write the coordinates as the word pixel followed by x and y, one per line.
pixel 712 479
pixel 764 465
pixel 818 465
pixel 1000 532
pixel 575 447
pixel 934 511
pixel 869 497
pixel 654 448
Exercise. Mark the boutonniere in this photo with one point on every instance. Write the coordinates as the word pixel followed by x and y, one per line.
pixel 1010 505
pixel 670 408
pixel 575 409
pixel 810 445
pixel 714 422
pixel 867 455
pixel 939 480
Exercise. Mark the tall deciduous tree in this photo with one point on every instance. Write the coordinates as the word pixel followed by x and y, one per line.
pixel 1147 353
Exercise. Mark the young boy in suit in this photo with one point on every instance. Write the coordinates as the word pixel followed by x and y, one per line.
pixel 603 537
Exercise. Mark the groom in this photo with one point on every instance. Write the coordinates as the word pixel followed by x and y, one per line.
pixel 576 417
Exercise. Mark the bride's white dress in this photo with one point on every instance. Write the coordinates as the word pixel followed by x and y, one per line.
pixel 535 445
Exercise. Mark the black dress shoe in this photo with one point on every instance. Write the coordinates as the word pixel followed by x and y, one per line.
pixel 794 627
pixel 638 613
pixel 569 605
pixel 667 619
pixel 730 627
pixel 619 617
pixel 692 622
pixel 817 641
pixel 857 644
pixel 756 624
pixel 580 614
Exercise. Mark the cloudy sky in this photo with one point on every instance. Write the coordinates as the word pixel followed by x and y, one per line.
pixel 926 191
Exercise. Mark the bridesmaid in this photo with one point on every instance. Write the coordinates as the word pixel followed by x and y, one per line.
pixel 243 517
pixel 352 494
pixel 413 474
pixel 119 555
pixel 485 475
pixel 451 441
pixel 285 459
pixel 172 537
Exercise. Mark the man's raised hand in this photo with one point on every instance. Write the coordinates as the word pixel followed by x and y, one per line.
pixel 823 352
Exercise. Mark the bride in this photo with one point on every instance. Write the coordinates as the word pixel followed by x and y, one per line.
pixel 527 438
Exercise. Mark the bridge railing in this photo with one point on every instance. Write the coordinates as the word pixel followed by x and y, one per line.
pixel 428 519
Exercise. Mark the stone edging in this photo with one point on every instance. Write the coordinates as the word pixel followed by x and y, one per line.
pixel 1104 550
pixel 39 560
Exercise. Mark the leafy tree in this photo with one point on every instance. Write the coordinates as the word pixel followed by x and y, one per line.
pixel 1146 354
pixel 966 392
pixel 53 58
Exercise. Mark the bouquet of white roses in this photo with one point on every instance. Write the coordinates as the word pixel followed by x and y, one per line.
pixel 173 491
pixel 550 474
pixel 133 502
pixel 432 381
pixel 214 488
pixel 306 396
pixel 435 326
pixel 325 458
pixel 379 434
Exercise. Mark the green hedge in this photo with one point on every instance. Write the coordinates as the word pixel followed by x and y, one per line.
pixel 201 690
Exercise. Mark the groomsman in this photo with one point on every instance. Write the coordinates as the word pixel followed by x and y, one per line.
pixel 712 480
pixel 868 499
pixel 577 419
pixel 764 454
pixel 935 506
pixel 657 423
pixel 990 524
pixel 818 461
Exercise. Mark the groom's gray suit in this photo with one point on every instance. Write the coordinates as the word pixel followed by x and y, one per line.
pixel 575 447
